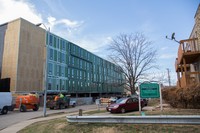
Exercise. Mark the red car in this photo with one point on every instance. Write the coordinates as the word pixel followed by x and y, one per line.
pixel 124 104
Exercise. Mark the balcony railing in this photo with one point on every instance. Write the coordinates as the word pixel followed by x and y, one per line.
pixel 179 67
pixel 186 47
pixel 188 79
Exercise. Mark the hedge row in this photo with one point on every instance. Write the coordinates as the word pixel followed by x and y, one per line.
pixel 183 97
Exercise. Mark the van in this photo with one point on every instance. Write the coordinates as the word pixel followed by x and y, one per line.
pixel 5 102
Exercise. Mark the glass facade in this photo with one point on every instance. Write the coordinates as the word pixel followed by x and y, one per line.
pixel 72 69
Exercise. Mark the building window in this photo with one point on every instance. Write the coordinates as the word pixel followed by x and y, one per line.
pixel 73 49
pixel 84 75
pixel 78 62
pixel 55 55
pixel 72 73
pixel 88 66
pixel 80 74
pixel 94 77
pixel 73 84
pixel 81 64
pixel 49 84
pixel 62 71
pixel 58 43
pixel 50 68
pixel 57 84
pixel 58 70
pixel 81 84
pixel 51 40
pixel 63 57
pixel 78 84
pixel 54 42
pixel 94 68
pixel 69 62
pixel 59 57
pixel 73 61
pixel 69 72
pixel 79 51
pixel 63 45
pixel 88 76
pixel 63 85
pixel 69 83
pixel 51 54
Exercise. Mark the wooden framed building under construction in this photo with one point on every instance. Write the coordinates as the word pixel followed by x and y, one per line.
pixel 187 64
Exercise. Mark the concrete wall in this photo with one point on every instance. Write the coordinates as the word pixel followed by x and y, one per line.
pixel 23 58
pixel 30 58
pixel 10 54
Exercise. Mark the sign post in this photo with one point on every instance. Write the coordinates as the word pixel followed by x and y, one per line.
pixel 150 90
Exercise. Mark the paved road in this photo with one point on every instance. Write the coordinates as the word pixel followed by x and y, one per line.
pixel 16 116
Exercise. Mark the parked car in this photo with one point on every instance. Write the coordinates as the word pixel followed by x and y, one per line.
pixel 72 103
pixel 123 105
pixel 112 100
pixel 145 101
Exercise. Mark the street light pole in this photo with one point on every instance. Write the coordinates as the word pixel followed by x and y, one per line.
pixel 168 76
pixel 45 70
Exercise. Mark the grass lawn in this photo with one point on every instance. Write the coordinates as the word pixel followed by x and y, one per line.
pixel 62 126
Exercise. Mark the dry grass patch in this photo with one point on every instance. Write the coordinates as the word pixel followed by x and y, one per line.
pixel 62 126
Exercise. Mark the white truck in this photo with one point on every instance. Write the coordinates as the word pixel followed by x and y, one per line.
pixel 72 103
pixel 5 102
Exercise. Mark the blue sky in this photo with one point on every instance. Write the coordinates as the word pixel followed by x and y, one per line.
pixel 92 23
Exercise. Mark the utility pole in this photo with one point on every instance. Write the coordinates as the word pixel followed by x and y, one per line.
pixel 168 77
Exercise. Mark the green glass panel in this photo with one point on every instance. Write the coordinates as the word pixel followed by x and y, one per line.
pixel 66 72
pixel 55 55
pixel 54 44
pixel 55 69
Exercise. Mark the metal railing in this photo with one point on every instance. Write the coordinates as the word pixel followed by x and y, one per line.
pixel 163 119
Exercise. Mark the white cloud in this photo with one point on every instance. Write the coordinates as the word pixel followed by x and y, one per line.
pixel 69 25
pixel 93 43
pixel 64 27
pixel 12 9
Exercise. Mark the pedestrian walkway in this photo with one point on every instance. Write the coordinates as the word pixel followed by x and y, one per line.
pixel 19 126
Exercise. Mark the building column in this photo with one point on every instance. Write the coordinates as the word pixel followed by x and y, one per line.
pixel 185 69
pixel 178 77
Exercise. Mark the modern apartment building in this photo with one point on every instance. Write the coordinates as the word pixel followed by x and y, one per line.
pixel 187 63
pixel 35 59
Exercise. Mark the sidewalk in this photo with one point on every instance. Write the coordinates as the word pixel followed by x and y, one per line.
pixel 19 126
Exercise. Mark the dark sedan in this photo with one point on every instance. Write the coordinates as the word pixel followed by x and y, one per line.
pixel 123 105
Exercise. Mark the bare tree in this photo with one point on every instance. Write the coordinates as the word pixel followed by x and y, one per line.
pixel 135 55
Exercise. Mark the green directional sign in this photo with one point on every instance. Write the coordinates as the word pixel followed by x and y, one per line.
pixel 149 90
